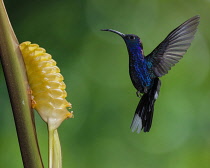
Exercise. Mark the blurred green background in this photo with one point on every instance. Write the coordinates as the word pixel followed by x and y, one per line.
pixel 95 67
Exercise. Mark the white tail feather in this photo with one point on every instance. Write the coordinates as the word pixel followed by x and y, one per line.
pixel 136 124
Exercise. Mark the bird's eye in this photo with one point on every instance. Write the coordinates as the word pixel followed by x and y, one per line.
pixel 131 37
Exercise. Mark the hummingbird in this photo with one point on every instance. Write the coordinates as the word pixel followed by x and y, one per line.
pixel 145 71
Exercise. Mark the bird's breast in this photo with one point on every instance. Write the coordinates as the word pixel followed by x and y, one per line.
pixel 140 76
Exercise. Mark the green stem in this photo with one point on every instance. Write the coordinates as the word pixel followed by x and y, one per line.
pixel 55 157
pixel 57 151
pixel 17 84
pixel 50 144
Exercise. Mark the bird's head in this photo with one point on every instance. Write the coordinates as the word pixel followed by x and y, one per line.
pixel 130 39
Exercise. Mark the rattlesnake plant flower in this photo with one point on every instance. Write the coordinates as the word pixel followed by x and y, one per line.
pixel 48 94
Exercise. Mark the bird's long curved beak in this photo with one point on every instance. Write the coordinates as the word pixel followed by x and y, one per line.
pixel 114 31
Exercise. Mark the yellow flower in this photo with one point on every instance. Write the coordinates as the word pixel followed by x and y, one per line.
pixel 46 83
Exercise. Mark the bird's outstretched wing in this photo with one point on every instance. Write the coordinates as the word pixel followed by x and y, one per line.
pixel 173 47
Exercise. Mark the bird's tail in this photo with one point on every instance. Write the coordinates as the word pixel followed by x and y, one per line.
pixel 144 112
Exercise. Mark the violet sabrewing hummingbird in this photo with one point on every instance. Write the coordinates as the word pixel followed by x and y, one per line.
pixel 145 71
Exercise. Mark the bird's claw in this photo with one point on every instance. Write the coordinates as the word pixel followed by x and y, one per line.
pixel 139 94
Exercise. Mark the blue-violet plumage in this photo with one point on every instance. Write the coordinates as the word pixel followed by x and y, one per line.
pixel 145 71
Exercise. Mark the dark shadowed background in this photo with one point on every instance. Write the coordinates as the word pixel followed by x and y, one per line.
pixel 95 67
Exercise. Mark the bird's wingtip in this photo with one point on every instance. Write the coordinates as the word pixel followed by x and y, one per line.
pixel 198 16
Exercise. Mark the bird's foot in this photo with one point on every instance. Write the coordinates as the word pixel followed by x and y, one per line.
pixel 139 94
